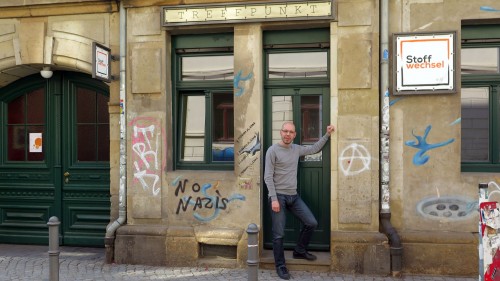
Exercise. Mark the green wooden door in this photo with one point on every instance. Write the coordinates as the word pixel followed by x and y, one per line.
pixel 54 159
pixel 308 109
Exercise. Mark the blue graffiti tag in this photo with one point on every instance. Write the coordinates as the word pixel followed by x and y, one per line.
pixel 176 180
pixel 488 9
pixel 220 203
pixel 420 158
pixel 392 102
pixel 456 121
pixel 237 80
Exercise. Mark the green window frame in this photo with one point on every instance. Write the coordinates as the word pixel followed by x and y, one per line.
pixel 283 42
pixel 480 130
pixel 295 59
pixel 203 101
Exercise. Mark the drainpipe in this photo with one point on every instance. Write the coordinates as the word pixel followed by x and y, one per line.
pixel 109 240
pixel 385 209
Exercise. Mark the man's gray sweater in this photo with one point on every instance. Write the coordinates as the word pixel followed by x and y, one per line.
pixel 281 166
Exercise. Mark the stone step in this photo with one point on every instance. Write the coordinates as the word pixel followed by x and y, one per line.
pixel 321 264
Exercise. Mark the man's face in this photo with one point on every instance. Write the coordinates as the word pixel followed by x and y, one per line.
pixel 287 133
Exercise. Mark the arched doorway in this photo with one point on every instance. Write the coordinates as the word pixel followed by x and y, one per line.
pixel 54 159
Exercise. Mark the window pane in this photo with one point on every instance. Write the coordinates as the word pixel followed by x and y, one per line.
pixel 223 122
pixel 311 119
pixel 311 131
pixel 24 143
pixel 102 109
pixel 475 124
pixel 207 68
pixel 86 142
pixel 103 142
pixel 294 65
pixel 16 111
pixel 223 127
pixel 36 107
pixel 36 151
pixel 282 108
pixel 193 143
pixel 16 145
pixel 479 60
pixel 86 103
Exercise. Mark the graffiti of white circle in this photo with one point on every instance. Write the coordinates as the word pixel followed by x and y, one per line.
pixel 354 152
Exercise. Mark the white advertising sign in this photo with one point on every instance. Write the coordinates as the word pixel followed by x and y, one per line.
pixel 35 142
pixel 425 63
pixel 101 64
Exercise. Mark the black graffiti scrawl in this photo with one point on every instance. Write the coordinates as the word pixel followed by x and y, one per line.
pixel 203 198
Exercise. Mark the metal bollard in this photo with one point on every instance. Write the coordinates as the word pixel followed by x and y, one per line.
pixel 253 252
pixel 53 248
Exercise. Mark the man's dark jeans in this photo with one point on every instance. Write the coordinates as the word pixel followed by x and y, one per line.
pixel 298 208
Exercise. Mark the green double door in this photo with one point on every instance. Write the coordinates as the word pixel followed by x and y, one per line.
pixel 54 159
pixel 307 107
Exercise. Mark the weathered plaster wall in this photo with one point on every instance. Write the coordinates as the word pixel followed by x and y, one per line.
pixel 413 179
pixel 54 34
pixel 177 200
pixel 356 241
pixel 416 182
pixel 146 115
pixel 357 115
pixel 14 3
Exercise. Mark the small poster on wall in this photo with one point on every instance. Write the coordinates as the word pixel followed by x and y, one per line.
pixel 35 142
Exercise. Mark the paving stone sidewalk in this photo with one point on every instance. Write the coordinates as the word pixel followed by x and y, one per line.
pixel 31 263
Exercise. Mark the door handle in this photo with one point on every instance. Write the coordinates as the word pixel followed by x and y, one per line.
pixel 66 177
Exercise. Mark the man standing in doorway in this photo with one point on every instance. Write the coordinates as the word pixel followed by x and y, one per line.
pixel 281 180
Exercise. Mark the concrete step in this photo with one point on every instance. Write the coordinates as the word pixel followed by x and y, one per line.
pixel 321 264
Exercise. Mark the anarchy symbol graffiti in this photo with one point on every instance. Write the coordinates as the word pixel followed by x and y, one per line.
pixel 354 159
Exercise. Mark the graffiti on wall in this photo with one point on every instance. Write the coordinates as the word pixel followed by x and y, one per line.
pixel 458 120
pixel 252 146
pixel 146 142
pixel 239 90
pixel 205 198
pixel 245 132
pixel 245 183
pixel 247 154
pixel 354 159
pixel 423 147
pixel 392 102
pixel 447 208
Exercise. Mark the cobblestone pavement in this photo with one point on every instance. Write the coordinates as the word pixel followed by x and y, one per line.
pixel 31 263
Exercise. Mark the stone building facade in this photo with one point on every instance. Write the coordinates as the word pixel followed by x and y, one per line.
pixel 199 102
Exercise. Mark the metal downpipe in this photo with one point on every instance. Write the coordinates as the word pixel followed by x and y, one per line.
pixel 109 240
pixel 385 209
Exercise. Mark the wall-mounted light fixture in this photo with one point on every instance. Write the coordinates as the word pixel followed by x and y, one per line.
pixel 46 72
